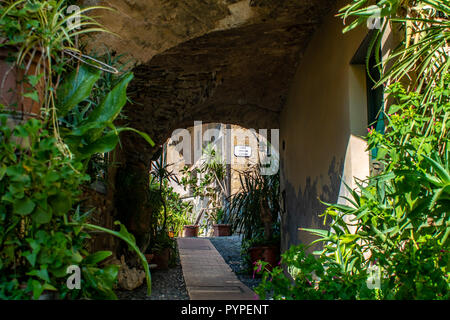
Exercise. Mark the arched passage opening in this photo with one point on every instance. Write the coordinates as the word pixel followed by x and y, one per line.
pixel 237 73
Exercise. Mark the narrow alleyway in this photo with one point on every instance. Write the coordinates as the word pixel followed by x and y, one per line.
pixel 207 275
pixel 225 252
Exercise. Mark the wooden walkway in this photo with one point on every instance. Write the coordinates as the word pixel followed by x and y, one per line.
pixel 207 275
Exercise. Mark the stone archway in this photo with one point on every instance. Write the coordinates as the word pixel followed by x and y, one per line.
pixel 216 61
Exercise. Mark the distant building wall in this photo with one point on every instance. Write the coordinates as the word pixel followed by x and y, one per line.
pixel 224 141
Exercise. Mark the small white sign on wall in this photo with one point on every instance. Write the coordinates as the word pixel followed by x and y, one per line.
pixel 242 151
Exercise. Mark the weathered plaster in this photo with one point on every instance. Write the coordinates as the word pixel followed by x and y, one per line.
pixel 315 128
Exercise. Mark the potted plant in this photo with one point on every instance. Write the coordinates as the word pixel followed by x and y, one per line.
pixel 17 92
pixel 221 229
pixel 208 181
pixel 163 249
pixel 254 212
pixel 261 249
pixel 190 231
pixel 36 40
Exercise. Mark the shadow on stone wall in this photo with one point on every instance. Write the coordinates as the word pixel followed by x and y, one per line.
pixel 130 200
pixel 303 209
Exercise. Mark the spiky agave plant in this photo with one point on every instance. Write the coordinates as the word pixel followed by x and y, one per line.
pixel 423 54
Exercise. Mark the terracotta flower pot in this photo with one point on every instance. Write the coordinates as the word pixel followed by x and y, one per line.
pixel 13 86
pixel 161 259
pixel 222 230
pixel 190 231
pixel 269 254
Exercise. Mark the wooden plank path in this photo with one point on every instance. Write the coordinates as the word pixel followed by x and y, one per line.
pixel 207 275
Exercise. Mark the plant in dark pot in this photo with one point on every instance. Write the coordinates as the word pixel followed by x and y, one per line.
pixel 254 212
pixel 163 250
pixel 221 229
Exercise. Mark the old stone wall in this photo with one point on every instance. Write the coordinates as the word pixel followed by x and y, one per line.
pixel 222 61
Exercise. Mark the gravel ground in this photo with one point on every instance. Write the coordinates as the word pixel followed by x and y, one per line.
pixel 169 284
pixel 230 249
pixel 166 285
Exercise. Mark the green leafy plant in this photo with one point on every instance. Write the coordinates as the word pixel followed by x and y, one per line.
pixel 422 55
pixel 311 278
pixel 178 211
pixel 254 209
pixel 398 220
pixel 208 181
pixel 160 171
pixel 38 187
pixel 95 133
pixel 40 175
pixel 124 235
pixel 39 33
pixel 171 219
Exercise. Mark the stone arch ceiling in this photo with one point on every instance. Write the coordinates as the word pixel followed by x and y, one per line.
pixel 211 60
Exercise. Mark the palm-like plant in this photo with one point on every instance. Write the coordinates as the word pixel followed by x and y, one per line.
pixel 256 205
pixel 208 180
pixel 51 41
pixel 399 219
pixel 423 54
pixel 214 173
pixel 160 171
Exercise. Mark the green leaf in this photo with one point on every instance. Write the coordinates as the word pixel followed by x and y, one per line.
pixel 318 232
pixel 37 289
pixel 49 287
pixel 60 203
pixel 142 134
pixel 124 232
pixel 97 257
pixel 34 80
pixel 76 88
pixel 113 103
pixel 111 272
pixel 129 239
pixel 440 170
pixel 31 256
pixel 76 257
pixel 2 171
pixel 348 238
pixel 23 206
pixel 42 274
pixel 105 144
pixel 32 95
pixel 41 216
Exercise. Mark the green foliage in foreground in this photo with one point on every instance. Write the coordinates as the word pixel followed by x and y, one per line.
pixel 92 132
pixel 400 217
pixel 38 187
pixel 41 172
pixel 40 234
